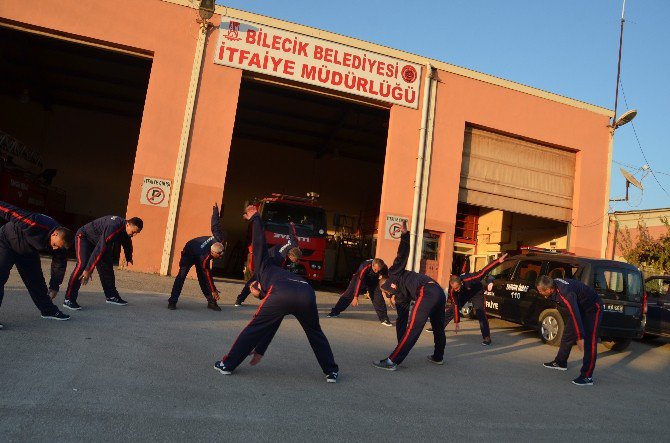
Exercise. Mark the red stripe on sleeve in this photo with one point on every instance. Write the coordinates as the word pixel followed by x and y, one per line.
pixel 572 314
pixel 22 218
pixel 360 278
pixel 104 248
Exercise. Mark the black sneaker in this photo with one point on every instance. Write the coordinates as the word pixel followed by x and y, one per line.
pixel 384 364
pixel 387 323
pixel 554 365
pixel 213 306
pixel 237 305
pixel 56 316
pixel 583 381
pixel 117 301
pixel 486 342
pixel 429 329
pixel 172 306
pixel 332 377
pixel 435 362
pixel 331 315
pixel 72 305
pixel 219 366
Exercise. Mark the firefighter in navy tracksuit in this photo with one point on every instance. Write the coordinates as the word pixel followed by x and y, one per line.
pixel 403 287
pixel 283 293
pixel 585 313
pixel 283 256
pixel 366 278
pixel 94 244
pixel 199 252
pixel 470 288
pixel 23 236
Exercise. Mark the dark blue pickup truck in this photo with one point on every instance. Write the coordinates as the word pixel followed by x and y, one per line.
pixel 658 306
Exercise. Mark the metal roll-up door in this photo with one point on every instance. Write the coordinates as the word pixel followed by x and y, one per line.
pixel 515 175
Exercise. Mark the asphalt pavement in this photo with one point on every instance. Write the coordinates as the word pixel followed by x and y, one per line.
pixel 143 373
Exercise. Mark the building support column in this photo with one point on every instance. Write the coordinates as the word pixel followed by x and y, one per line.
pixel 168 246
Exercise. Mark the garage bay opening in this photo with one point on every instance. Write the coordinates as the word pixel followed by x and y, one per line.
pixel 311 159
pixel 515 195
pixel 71 121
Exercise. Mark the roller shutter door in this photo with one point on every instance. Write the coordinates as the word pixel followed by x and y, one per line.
pixel 515 175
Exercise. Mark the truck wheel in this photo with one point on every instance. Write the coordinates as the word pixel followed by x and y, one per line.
pixel 468 311
pixel 551 327
pixel 618 344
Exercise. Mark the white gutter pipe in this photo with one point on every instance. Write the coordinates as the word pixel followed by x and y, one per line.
pixel 425 181
pixel 416 235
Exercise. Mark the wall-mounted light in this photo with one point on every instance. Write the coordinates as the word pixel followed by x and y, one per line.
pixel 206 9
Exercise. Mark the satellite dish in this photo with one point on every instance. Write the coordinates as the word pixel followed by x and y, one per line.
pixel 632 180
pixel 626 117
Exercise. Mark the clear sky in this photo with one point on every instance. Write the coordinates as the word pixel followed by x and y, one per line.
pixel 568 47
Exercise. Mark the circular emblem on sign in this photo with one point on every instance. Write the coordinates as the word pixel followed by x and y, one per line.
pixel 394 231
pixel 409 74
pixel 155 195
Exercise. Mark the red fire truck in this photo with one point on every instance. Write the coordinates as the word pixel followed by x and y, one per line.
pixel 24 182
pixel 309 218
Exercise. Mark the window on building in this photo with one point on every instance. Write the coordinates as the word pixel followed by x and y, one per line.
pixel 431 246
pixel 467 218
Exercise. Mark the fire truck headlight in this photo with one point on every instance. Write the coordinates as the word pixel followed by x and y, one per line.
pixel 315 265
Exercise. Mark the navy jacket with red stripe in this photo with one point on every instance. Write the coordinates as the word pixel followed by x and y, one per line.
pixel 265 266
pixel 28 232
pixel 279 252
pixel 471 285
pixel 405 285
pixel 577 298
pixel 103 233
pixel 367 276
pixel 199 248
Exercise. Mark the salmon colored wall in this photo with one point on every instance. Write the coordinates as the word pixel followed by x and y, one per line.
pixel 462 101
pixel 169 32
pixel 207 160
pixel 399 173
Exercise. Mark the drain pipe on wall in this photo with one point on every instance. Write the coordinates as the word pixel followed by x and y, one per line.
pixel 183 147
pixel 425 181
pixel 416 235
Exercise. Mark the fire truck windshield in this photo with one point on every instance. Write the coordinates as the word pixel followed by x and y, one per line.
pixel 308 220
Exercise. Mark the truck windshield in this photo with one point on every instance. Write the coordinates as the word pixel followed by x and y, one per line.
pixel 308 220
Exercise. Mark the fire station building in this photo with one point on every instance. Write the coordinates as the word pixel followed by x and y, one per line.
pixel 136 108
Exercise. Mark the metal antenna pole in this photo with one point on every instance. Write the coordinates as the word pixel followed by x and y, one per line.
pixel 618 69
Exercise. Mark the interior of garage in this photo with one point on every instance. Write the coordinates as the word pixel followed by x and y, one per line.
pixel 70 126
pixel 514 194
pixel 292 141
